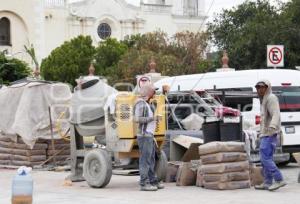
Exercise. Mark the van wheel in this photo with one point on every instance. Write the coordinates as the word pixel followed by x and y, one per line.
pixel 161 166
pixel 97 168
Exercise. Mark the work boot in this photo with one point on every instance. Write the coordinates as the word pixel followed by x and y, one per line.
pixel 160 185
pixel 277 185
pixel 262 186
pixel 148 187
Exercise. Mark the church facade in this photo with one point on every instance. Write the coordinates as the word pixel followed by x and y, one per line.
pixel 46 24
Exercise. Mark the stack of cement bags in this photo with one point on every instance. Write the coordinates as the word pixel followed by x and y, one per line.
pixel 19 154
pixel 224 166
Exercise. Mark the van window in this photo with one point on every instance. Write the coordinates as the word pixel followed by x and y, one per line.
pixel 289 98
pixel 238 98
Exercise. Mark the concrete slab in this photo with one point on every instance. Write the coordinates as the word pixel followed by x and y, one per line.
pixel 49 189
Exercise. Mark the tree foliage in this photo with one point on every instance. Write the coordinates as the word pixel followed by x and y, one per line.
pixel 245 32
pixel 69 61
pixel 12 69
pixel 108 54
pixel 121 61
pixel 178 55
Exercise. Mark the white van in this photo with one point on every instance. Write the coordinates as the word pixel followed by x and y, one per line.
pixel 285 83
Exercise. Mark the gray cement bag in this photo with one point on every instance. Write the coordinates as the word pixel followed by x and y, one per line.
pixel 200 177
pixel 227 185
pixel 223 157
pixel 37 146
pixel 227 177
pixel 172 170
pixel 22 152
pixel 5 156
pixel 225 167
pixel 5 138
pixel 186 176
pixel 216 147
pixel 24 163
pixel 38 158
pixel 5 162
pixel 256 175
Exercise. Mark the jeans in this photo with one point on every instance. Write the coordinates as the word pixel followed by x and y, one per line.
pixel 147 160
pixel 266 150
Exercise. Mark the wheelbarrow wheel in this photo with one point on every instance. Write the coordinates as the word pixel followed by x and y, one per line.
pixel 161 166
pixel 97 168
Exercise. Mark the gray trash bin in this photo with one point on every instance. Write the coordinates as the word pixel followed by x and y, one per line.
pixel 211 131
pixel 231 131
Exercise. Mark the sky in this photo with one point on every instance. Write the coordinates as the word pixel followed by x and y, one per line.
pixel 212 6
pixel 215 6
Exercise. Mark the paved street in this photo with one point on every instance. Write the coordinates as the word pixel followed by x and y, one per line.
pixel 48 189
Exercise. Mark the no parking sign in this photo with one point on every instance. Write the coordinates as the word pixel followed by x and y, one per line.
pixel 275 56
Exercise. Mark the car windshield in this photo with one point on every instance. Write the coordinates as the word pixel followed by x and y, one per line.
pixel 289 98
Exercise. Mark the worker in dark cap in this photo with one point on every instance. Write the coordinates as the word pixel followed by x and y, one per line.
pixel 269 136
pixel 144 116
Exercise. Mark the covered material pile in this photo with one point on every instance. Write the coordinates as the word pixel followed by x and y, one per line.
pixel 224 166
pixel 25 129
pixel 25 110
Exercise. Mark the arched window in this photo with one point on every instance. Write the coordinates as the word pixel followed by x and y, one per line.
pixel 104 31
pixel 4 31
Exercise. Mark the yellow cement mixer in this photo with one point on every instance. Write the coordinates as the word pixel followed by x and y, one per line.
pixel 95 163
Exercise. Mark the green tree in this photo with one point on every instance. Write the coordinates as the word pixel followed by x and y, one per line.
pixel 245 31
pixel 108 54
pixel 12 69
pixel 178 55
pixel 289 32
pixel 69 61
pixel 136 62
pixel 153 41
pixel 190 48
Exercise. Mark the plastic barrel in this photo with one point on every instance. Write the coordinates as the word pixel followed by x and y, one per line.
pixel 211 131
pixel 22 187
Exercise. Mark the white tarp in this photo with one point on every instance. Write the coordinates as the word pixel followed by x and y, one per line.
pixel 24 110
